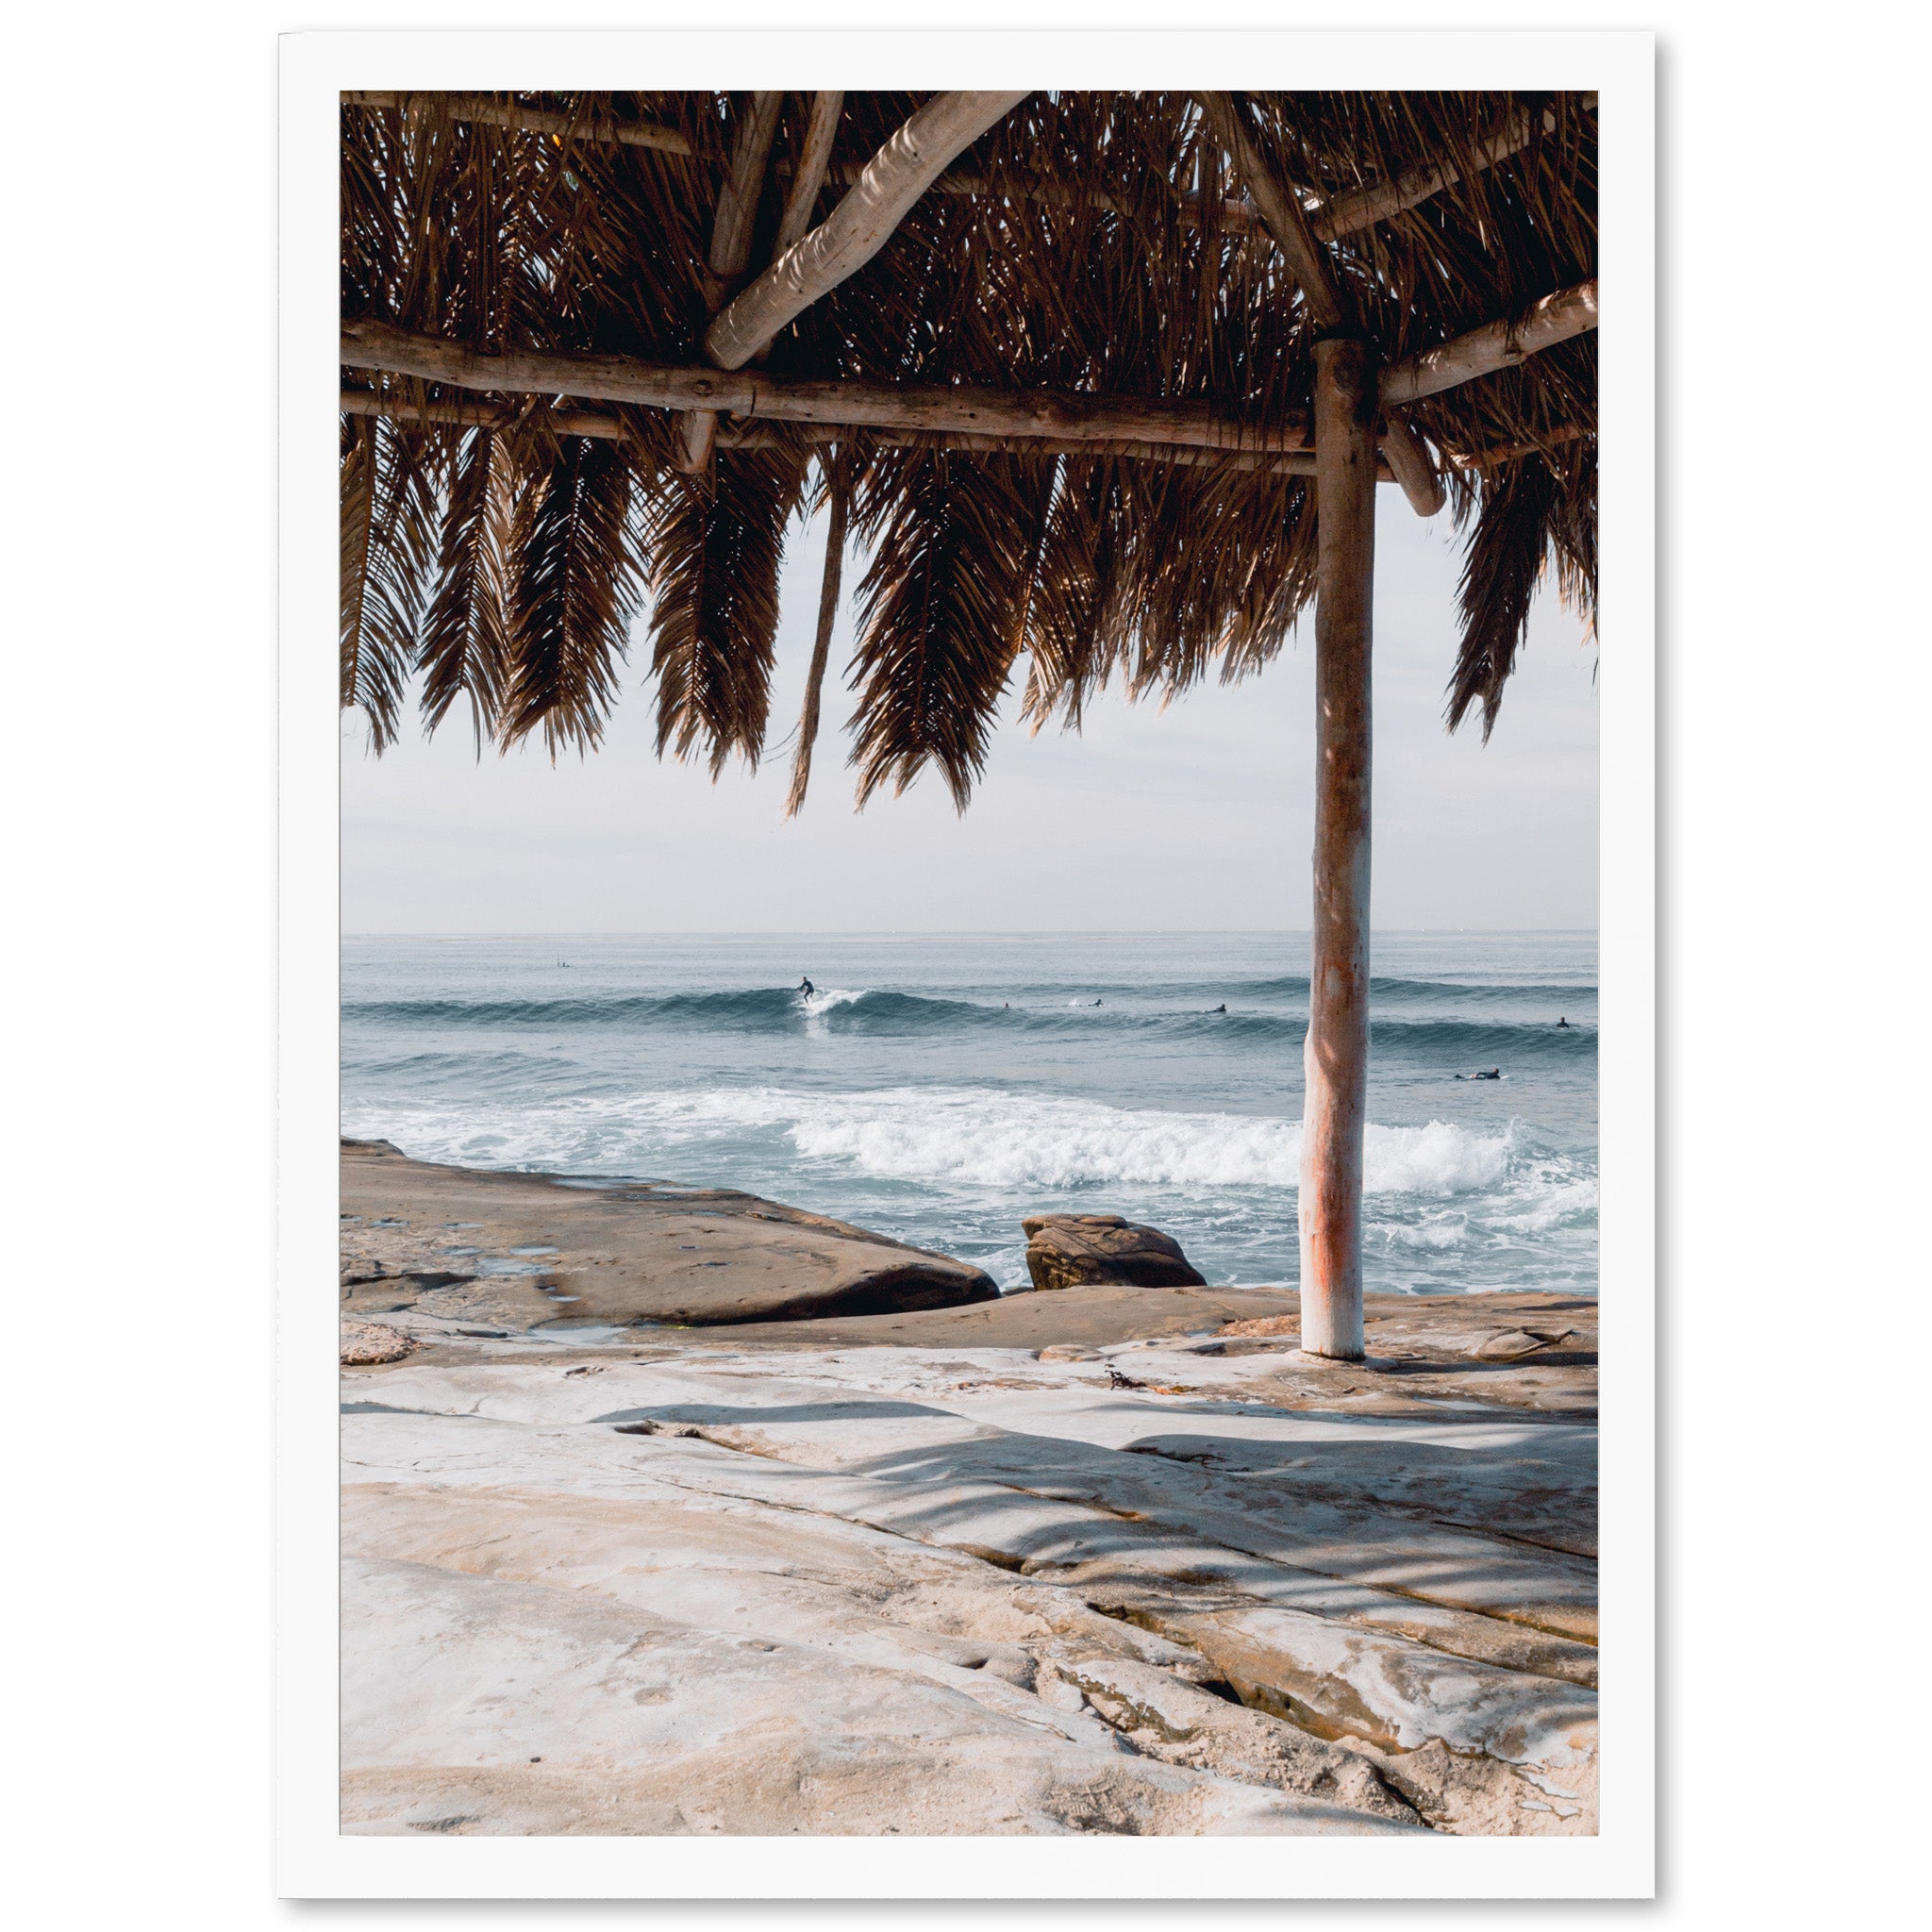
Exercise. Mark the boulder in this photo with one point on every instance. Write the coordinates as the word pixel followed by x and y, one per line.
pixel 365 1344
pixel 1090 1250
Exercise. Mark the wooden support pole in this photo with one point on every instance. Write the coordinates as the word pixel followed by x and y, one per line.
pixel 1336 1056
pixel 862 224
pixel 839 478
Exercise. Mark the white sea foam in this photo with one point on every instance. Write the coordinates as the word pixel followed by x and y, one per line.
pixel 979 1139
pixel 1557 1203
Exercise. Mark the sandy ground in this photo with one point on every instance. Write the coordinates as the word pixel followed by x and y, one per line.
pixel 1099 1560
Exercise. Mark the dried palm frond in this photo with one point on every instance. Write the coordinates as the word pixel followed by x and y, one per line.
pixel 715 548
pixel 1499 578
pixel 577 587
pixel 940 610
pixel 466 638
pixel 1075 630
pixel 391 488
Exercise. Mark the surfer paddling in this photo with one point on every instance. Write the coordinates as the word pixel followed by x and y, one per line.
pixel 1494 1073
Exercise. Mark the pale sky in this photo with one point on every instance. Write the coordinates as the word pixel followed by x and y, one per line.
pixel 1196 818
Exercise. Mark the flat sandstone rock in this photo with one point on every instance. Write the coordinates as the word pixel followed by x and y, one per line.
pixel 690 1584
pixel 1082 1317
pixel 513 1251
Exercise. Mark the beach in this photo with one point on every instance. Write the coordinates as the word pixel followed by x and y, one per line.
pixel 631 1549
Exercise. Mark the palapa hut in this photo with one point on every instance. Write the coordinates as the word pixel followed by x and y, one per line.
pixel 1105 380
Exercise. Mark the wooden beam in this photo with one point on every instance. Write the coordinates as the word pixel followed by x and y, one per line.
pixel 859 226
pixel 738 203
pixel 1276 463
pixel 1279 207
pixel 1334 1055
pixel 1075 416
pixel 801 196
pixel 1362 207
pixel 1495 345
pixel 1067 421
pixel 731 231
pixel 480 107
pixel 1515 452
pixel 367 402
pixel 1415 469
pixel 839 487
pixel 450 409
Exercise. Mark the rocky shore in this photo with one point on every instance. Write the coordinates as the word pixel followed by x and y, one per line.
pixel 1105 1558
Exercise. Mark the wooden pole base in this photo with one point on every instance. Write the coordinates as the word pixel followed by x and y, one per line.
pixel 1336 1057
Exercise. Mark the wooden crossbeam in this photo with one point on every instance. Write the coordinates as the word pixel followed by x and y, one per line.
pixel 459 414
pixel 1280 208
pixel 569 421
pixel 1362 207
pixel 1074 416
pixel 1299 462
pixel 801 196
pixel 1408 455
pixel 1515 452
pixel 859 226
pixel 480 107
pixel 1495 345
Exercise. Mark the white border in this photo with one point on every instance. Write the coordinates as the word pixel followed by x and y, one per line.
pixel 314 1860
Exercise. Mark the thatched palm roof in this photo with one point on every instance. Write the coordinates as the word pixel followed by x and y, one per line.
pixel 1108 268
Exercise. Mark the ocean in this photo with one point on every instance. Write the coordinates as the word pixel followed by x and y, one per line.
pixel 937 1087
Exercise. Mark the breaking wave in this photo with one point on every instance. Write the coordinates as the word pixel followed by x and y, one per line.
pixel 982 1139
